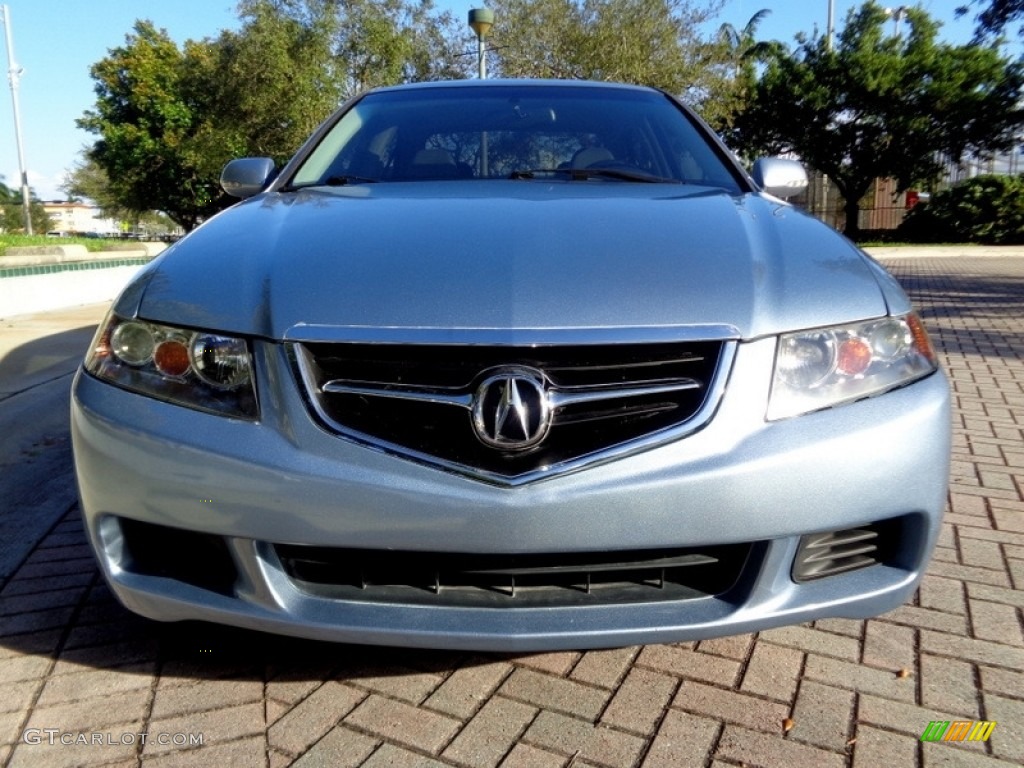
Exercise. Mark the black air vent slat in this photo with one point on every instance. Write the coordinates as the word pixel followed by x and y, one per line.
pixel 841 538
pixel 495 579
pixel 834 552
pixel 639 565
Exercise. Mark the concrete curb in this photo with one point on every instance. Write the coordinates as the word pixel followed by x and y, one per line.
pixel 47 278
pixel 42 255
pixel 943 251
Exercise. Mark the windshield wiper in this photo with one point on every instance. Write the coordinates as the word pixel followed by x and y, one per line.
pixel 331 181
pixel 582 174
pixel 342 180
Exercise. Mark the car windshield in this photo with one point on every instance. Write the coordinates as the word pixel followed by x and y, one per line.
pixel 515 132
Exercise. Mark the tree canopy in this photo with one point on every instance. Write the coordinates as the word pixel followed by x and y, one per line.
pixel 168 118
pixel 147 119
pixel 12 212
pixel 651 42
pixel 878 105
pixel 995 16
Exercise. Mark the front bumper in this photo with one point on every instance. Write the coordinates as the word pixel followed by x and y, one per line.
pixel 739 480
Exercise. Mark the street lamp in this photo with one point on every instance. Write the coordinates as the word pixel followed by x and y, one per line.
pixel 831 24
pixel 14 74
pixel 897 14
pixel 481 20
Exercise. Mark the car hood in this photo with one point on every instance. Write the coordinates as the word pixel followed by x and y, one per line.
pixel 517 255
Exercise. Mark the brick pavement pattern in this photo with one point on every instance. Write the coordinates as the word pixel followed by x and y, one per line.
pixel 75 666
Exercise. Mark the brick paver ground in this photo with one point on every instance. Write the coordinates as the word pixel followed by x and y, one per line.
pixel 74 666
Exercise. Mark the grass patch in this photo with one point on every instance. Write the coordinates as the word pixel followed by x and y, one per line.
pixel 92 244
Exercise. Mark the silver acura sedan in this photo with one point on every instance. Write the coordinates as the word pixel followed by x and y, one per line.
pixel 512 365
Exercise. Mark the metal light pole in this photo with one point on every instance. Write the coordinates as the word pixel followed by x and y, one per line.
pixel 481 20
pixel 898 14
pixel 830 33
pixel 14 75
pixel 831 24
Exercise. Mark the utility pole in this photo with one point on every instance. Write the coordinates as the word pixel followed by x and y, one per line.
pixel 480 21
pixel 831 24
pixel 898 14
pixel 14 75
pixel 830 33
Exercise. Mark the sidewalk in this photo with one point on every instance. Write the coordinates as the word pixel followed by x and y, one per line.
pixel 38 355
pixel 945 251
pixel 38 347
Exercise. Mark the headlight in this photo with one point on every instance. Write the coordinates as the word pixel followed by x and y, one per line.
pixel 197 369
pixel 827 366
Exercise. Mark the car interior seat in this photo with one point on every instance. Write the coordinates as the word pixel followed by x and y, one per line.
pixel 434 164
pixel 590 156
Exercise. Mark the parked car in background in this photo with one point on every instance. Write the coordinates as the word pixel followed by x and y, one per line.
pixel 512 365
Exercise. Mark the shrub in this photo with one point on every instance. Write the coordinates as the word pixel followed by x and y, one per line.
pixel 985 209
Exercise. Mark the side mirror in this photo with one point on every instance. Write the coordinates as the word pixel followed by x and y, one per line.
pixel 780 177
pixel 247 176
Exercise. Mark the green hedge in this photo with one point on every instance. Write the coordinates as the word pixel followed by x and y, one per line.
pixel 985 209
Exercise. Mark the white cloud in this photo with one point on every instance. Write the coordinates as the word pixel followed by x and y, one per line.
pixel 45 186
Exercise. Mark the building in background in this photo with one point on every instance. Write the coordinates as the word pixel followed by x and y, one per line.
pixel 79 219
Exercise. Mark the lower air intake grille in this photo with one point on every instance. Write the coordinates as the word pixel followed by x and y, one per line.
pixel 514 581
pixel 833 552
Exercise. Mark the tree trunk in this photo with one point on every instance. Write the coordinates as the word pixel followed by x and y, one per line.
pixel 851 228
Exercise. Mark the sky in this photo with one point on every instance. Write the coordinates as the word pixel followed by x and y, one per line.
pixel 55 42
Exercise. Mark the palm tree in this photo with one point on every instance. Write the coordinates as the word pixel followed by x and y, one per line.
pixel 741 52
pixel 743 44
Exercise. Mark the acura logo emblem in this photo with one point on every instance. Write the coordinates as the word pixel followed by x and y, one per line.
pixel 511 409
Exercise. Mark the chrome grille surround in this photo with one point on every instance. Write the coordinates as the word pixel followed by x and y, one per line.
pixel 618 391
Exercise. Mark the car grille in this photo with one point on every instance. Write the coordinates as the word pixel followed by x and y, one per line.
pixel 418 399
pixel 514 581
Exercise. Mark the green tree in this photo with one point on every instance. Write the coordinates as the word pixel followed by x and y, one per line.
pixel 386 42
pixel 742 53
pixel 167 119
pixel 12 212
pixel 88 180
pixel 652 42
pixel 996 16
pixel 264 88
pixel 985 209
pixel 879 106
pixel 146 122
